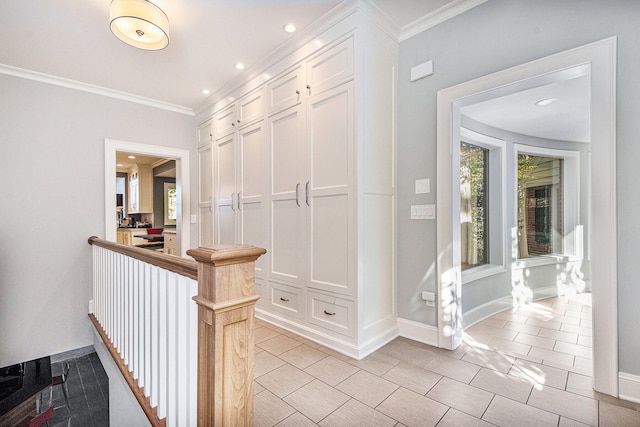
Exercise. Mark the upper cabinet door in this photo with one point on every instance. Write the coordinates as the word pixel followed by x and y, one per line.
pixel 250 108
pixel 225 121
pixel 285 91
pixel 205 133
pixel 330 68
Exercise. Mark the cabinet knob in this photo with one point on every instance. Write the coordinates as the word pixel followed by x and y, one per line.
pixel 233 124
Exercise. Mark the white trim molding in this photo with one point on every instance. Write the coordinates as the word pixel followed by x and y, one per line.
pixel 438 16
pixel 96 90
pixel 629 387
pixel 601 57
pixel 417 331
pixel 183 224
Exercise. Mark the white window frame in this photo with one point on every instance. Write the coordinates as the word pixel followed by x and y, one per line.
pixel 497 207
pixel 572 230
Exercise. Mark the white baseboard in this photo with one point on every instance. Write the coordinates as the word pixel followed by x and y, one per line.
pixel 417 331
pixel 629 387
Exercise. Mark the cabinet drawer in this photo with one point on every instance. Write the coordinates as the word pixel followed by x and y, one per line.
pixel 330 68
pixel 286 299
pixel 335 314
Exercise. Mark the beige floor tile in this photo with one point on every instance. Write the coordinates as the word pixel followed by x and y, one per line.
pixel 269 410
pixel 303 356
pixel 357 414
pixel 484 333
pixel 296 420
pixel 454 368
pixel 412 377
pixel 490 359
pixel 558 335
pixel 284 380
pixel 367 388
pixel 574 349
pixel 509 413
pixel 257 388
pixel 535 341
pixel 263 333
pixel 568 422
pixel 580 330
pixel 509 386
pixel 540 375
pixel 376 363
pixel 567 404
pixel 468 399
pixel 279 344
pixel 412 354
pixel 568 319
pixel 548 324
pixel 494 322
pixel 265 362
pixel 521 327
pixel 552 356
pixel 455 418
pixel 580 384
pixel 509 347
pixel 331 370
pixel 511 316
pixel 583 366
pixel 412 409
pixel 585 340
pixel 316 400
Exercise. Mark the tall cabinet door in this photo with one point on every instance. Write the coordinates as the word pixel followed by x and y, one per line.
pixel 205 195
pixel 226 199
pixel 330 192
pixel 287 198
pixel 251 190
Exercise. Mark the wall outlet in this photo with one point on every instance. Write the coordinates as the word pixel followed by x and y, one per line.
pixel 194 219
pixel 429 298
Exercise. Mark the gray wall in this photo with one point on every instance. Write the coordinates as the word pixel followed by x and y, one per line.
pixel 52 200
pixel 491 37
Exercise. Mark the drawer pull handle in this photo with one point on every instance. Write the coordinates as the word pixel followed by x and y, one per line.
pixel 284 299
pixel 329 314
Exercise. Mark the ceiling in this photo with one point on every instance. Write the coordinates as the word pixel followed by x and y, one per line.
pixel 71 39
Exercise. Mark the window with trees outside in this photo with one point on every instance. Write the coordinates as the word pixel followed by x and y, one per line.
pixel 474 206
pixel 540 207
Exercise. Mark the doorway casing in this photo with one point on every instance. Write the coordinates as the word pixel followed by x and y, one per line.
pixel 601 56
pixel 181 156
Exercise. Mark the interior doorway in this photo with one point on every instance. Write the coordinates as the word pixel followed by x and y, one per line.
pixel 181 157
pixel 600 57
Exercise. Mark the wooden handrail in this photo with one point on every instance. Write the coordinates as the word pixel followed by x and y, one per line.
pixel 182 266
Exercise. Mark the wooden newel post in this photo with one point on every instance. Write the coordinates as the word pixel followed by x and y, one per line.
pixel 226 301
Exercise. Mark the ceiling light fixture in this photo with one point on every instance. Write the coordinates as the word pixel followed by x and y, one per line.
pixel 131 157
pixel 139 23
pixel 544 102
pixel 205 91
pixel 289 28
pixel 239 66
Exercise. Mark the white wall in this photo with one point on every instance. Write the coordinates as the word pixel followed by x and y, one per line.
pixel 491 37
pixel 52 200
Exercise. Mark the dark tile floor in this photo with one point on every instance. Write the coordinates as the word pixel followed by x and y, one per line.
pixel 88 387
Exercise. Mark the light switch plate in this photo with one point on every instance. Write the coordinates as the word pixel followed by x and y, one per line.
pixel 423 211
pixel 423 186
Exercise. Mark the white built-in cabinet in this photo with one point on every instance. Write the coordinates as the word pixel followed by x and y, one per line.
pixel 302 163
pixel 140 181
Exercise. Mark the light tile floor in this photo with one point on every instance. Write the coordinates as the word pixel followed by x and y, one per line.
pixel 525 367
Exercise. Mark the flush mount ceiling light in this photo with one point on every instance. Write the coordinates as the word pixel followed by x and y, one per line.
pixel 547 101
pixel 139 23
pixel 239 66
pixel 289 28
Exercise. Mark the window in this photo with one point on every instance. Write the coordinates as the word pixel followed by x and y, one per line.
pixel 548 207
pixel 474 208
pixel 170 203
pixel 480 234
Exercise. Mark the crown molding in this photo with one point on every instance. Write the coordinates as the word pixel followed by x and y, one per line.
pixel 97 90
pixel 438 16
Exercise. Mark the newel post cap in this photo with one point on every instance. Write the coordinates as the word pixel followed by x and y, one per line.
pixel 226 254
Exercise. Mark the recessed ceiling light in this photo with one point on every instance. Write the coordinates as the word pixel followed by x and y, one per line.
pixel 205 91
pixel 131 157
pixel 547 101
pixel 289 28
pixel 119 165
pixel 239 66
